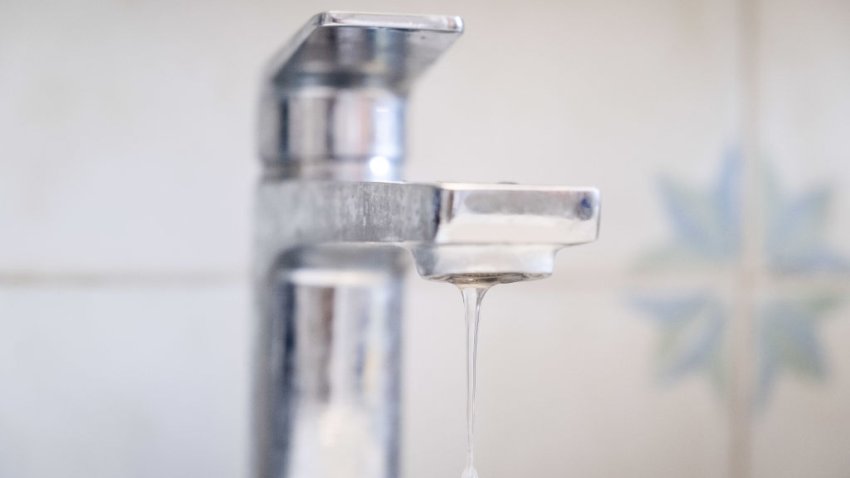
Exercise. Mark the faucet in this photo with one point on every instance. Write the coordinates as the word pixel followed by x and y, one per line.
pixel 333 226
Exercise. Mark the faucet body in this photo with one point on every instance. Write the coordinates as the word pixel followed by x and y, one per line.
pixel 332 226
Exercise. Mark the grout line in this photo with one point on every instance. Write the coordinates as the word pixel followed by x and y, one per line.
pixel 679 280
pixel 573 280
pixel 743 339
pixel 122 278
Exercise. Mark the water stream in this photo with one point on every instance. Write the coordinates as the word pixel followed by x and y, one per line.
pixel 472 297
pixel 473 287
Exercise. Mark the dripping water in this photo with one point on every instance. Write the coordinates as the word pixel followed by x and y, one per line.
pixel 472 297
pixel 472 288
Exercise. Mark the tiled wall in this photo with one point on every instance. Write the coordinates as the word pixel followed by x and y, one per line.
pixel 704 335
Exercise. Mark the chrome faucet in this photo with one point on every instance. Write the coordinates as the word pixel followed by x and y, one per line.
pixel 333 222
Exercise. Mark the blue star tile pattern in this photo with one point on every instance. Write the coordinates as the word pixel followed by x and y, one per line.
pixel 787 330
pixel 707 230
pixel 795 229
pixel 706 225
pixel 692 328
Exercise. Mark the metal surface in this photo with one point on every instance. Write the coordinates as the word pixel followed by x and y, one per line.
pixel 331 254
pixel 334 98
pixel 432 217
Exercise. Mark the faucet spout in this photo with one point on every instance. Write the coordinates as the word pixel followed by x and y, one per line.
pixel 451 228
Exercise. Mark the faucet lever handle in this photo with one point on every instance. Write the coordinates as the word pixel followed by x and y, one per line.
pixel 346 49
pixel 335 97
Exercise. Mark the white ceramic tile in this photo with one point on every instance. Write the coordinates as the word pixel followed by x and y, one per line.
pixel 566 388
pixel 123 381
pixel 804 114
pixel 126 137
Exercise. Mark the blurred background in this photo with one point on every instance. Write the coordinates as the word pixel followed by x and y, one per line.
pixel 705 335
